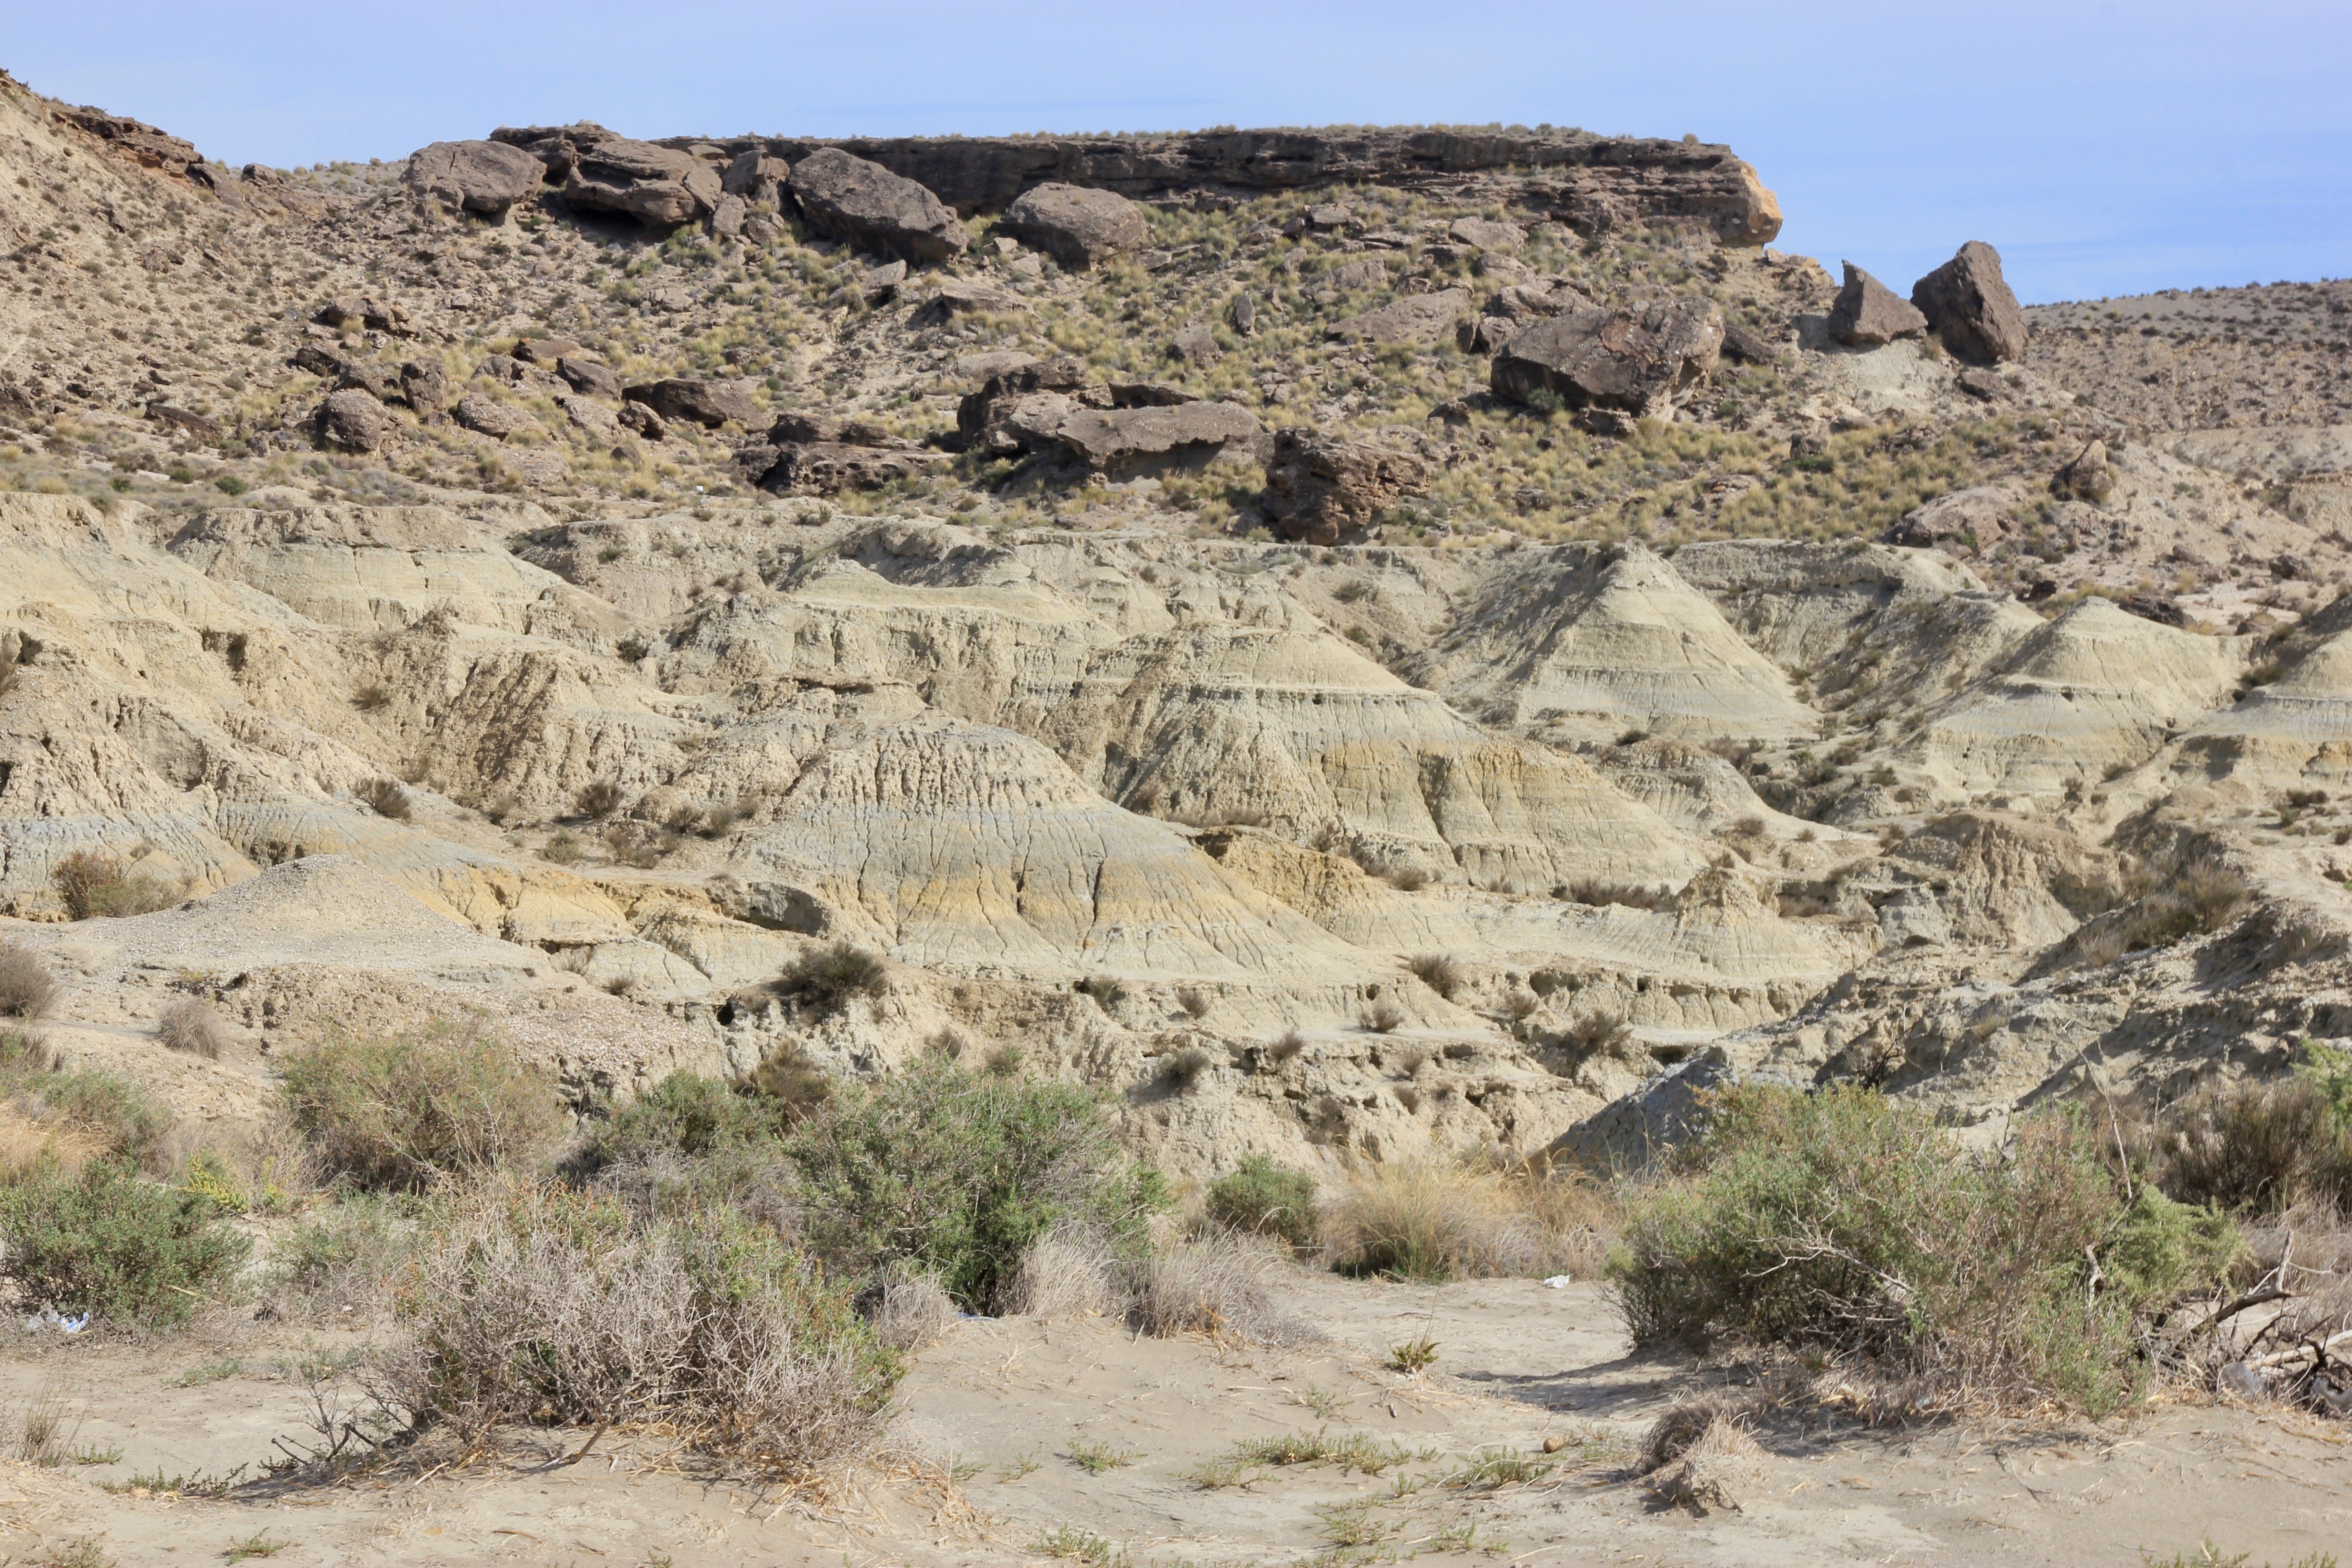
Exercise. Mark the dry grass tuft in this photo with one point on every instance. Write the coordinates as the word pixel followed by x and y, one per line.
pixel 27 989
pixel 1215 1284
pixel 190 1025
pixel 1434 1220
pixel 914 1310
pixel 1061 1276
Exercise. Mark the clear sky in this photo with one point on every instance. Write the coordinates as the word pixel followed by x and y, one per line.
pixel 2105 147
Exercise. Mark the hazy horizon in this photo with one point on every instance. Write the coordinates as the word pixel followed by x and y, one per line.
pixel 2104 149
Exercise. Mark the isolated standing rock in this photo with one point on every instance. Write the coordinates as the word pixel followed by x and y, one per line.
pixel 847 198
pixel 1321 490
pixel 1868 313
pixel 426 386
pixel 486 177
pixel 1969 305
pixel 354 420
pixel 1640 359
pixel 711 403
pixel 1078 227
pixel 587 373
pixel 2088 477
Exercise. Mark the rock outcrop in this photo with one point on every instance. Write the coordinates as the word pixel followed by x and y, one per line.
pixel 1868 313
pixel 657 186
pixel 853 199
pixel 484 177
pixel 705 402
pixel 1076 227
pixel 1638 360
pixel 1592 183
pixel 1321 491
pixel 1968 304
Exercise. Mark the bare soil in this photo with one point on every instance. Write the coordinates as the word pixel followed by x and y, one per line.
pixel 996 1419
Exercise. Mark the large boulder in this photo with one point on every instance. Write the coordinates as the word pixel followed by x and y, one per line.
pixel 1321 489
pixel 1078 227
pixel 1868 313
pixel 486 177
pixel 1125 442
pixel 1641 359
pixel 588 373
pixel 709 403
pixel 1974 518
pixel 660 187
pixel 755 176
pixel 1968 304
pixel 354 420
pixel 865 204
pixel 496 420
pixel 1416 319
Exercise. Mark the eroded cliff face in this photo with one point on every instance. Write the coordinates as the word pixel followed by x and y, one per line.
pixel 1111 799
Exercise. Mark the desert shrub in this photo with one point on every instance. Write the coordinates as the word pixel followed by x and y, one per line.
pixel 404 1111
pixel 104 1240
pixel 961 1172
pixel 1194 1001
pixel 686 1114
pixel 100 887
pixel 1439 972
pixel 1287 1046
pixel 2258 1148
pixel 1597 893
pixel 600 799
pixel 27 989
pixel 93 1109
pixel 190 1025
pixel 386 797
pixel 537 1303
pixel 828 977
pixel 1845 1222
pixel 1181 1071
pixel 1434 1220
pixel 1407 879
pixel 790 1085
pixel 1382 1017
pixel 1214 1284
pixel 1267 1199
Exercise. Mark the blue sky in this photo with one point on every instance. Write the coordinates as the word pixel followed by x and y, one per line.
pixel 2105 148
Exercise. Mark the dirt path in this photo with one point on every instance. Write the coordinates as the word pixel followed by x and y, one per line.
pixel 1081 1436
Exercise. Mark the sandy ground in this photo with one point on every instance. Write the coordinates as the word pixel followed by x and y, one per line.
pixel 994 1417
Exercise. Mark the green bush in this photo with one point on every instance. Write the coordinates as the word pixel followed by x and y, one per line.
pixel 1268 1199
pixel 404 1111
pixel 1847 1222
pixel 686 1113
pixel 960 1172
pixel 536 1303
pixel 103 1240
pixel 106 1110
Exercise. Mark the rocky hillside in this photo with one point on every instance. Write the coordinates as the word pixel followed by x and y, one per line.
pixel 1346 638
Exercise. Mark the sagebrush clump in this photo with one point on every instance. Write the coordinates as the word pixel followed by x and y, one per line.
pixel 407 1111
pixel 961 1172
pixel 1847 1222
